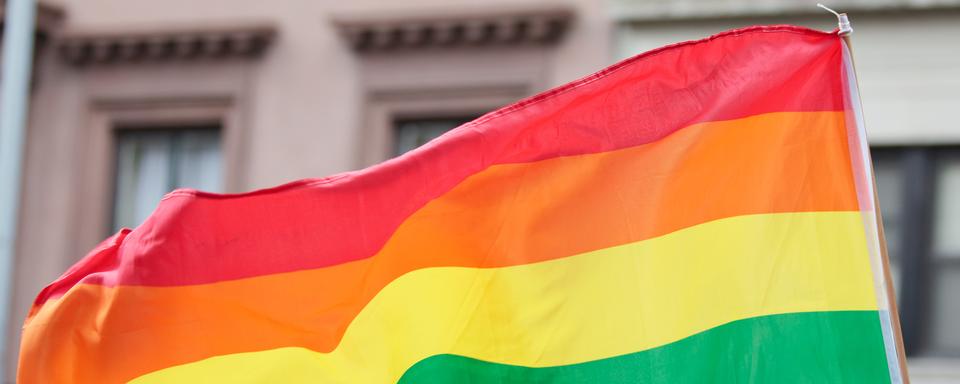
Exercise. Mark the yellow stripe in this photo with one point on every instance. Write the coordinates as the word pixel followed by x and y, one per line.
pixel 594 305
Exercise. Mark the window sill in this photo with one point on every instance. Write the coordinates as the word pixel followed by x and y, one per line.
pixel 934 370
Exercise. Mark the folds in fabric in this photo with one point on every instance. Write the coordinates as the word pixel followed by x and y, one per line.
pixel 694 200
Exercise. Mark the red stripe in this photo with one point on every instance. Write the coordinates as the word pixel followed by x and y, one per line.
pixel 196 237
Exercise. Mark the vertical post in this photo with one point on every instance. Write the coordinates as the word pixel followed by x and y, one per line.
pixel 845 30
pixel 14 93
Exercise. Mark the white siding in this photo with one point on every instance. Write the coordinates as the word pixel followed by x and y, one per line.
pixel 908 65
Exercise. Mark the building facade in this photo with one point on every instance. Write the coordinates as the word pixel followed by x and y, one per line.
pixel 134 98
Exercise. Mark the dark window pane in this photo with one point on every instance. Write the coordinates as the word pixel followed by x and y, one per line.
pixel 889 174
pixel 919 191
pixel 413 133
pixel 946 211
pixel 945 308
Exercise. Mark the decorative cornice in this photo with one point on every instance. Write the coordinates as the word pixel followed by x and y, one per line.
pixel 86 48
pixel 454 29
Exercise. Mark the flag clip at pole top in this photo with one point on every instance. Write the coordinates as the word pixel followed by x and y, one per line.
pixel 843 22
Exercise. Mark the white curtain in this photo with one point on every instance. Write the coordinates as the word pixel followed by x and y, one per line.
pixel 151 163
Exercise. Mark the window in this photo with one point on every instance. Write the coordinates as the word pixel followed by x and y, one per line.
pixel 945 311
pixel 919 190
pixel 413 133
pixel 889 176
pixel 153 161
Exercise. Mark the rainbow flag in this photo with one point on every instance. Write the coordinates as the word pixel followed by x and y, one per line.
pixel 699 213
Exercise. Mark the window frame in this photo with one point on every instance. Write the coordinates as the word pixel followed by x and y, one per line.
pixel 919 168
pixel 93 218
pixel 400 122
pixel 384 108
pixel 176 134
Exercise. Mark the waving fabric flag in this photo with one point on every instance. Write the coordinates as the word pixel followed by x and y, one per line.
pixel 698 213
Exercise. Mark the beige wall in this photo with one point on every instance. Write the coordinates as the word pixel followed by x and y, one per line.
pixel 309 107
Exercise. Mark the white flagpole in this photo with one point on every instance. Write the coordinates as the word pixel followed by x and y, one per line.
pixel 890 322
pixel 14 93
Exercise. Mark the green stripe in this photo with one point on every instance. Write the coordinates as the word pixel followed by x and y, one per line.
pixel 811 347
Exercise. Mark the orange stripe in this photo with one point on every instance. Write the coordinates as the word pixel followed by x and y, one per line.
pixel 507 215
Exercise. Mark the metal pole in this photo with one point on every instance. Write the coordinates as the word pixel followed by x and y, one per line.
pixel 884 256
pixel 14 94
pixel 844 29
